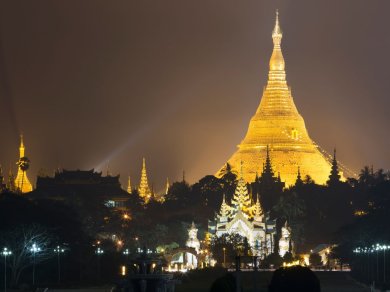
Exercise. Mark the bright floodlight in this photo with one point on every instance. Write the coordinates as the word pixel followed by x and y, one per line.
pixel 6 252
pixel 34 248
pixel 58 249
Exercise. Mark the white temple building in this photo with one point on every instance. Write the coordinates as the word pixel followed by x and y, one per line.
pixel 246 218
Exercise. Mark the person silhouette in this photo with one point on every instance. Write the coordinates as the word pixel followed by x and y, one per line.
pixel 295 278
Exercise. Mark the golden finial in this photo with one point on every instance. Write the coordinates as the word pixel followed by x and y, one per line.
pixel 241 169
pixel 277 32
pixel 129 189
pixel 21 148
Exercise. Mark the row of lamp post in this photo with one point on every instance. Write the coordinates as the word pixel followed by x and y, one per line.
pixel 370 250
pixel 34 249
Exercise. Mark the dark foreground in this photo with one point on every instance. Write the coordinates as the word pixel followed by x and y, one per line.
pixel 200 281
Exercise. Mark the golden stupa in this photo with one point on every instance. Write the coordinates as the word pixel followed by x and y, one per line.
pixel 278 124
pixel 22 183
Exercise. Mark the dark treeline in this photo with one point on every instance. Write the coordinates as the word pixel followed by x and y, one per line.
pixel 351 214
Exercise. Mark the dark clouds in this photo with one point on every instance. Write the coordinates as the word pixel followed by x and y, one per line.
pixel 177 81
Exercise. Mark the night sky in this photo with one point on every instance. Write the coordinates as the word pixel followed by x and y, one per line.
pixel 89 82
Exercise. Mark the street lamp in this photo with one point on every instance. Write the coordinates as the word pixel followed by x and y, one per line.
pixel 6 252
pixel 99 252
pixel 34 249
pixel 58 250
pixel 126 252
pixel 224 257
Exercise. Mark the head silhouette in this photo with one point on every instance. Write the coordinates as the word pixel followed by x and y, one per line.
pixel 294 278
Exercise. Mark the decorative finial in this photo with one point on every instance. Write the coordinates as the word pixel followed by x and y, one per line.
pixel 21 148
pixel 21 140
pixel 241 169
pixel 129 188
pixel 277 32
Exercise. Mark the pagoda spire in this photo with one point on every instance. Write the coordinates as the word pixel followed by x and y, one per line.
pixel 258 210
pixel 143 189
pixel 22 182
pixel 21 147
pixel 225 209
pixel 277 32
pixel 268 173
pixel 334 176
pixel 241 199
pixel 299 180
pixel 276 63
pixel 129 188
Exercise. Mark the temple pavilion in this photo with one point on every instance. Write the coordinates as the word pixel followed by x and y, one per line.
pixel 246 218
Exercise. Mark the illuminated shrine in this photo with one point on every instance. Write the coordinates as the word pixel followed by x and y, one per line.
pixel 246 218
pixel 143 189
pixel 22 183
pixel 278 124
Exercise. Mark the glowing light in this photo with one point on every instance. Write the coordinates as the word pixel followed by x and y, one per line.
pixel 277 123
pixel 290 264
pixel 143 189
pixel 34 248
pixel 360 213
pixel 6 252
pixel 123 270
pixel 22 182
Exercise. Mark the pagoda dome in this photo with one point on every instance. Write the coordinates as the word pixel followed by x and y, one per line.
pixel 276 62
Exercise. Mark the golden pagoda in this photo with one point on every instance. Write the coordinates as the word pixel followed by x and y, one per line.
pixel 143 189
pixel 278 124
pixel 129 189
pixel 22 182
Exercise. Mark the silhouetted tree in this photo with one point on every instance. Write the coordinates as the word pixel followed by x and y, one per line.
pixel 24 165
pixel 21 240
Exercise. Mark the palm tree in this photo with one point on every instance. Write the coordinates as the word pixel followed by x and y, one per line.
pixel 24 165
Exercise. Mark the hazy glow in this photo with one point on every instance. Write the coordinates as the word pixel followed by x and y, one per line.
pixel 81 85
